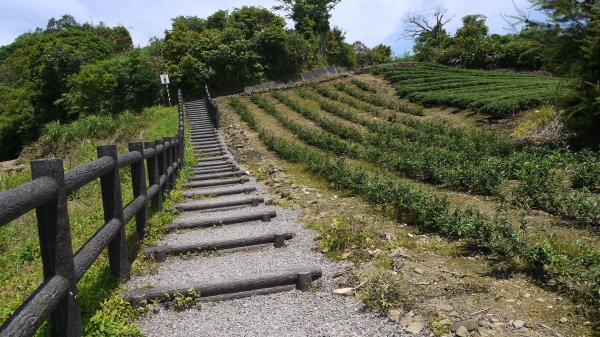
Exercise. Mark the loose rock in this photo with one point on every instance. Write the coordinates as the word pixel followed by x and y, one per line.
pixel 462 332
pixel 344 291
pixel 415 327
pixel 469 324
pixel 518 324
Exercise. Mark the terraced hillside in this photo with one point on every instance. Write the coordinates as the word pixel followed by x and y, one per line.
pixel 493 93
pixel 529 209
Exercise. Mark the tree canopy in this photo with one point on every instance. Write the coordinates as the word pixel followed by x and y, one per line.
pixel 70 69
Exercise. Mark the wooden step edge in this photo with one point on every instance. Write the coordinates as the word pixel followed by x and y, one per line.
pixel 221 192
pixel 222 221
pixel 160 253
pixel 300 278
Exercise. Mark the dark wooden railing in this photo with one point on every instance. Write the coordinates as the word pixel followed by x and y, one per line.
pixel 213 110
pixel 56 298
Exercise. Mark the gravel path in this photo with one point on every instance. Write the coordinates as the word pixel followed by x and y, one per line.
pixel 293 313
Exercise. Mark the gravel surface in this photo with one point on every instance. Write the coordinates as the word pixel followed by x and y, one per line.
pixel 293 313
pixel 283 223
pixel 194 215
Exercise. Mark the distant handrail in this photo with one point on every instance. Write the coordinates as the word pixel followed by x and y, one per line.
pixel 213 110
pixel 160 161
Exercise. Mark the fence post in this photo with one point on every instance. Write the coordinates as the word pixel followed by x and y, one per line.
pixel 181 147
pixel 54 232
pixel 176 155
pixel 217 115
pixel 169 159
pixel 113 209
pixel 138 183
pixel 162 164
pixel 154 176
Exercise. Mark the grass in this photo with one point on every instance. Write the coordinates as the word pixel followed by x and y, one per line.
pixel 104 313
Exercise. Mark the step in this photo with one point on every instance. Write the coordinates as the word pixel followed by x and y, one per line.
pixel 213 164
pixel 210 152
pixel 215 192
pixel 212 176
pixel 216 170
pixel 203 135
pixel 211 159
pixel 228 289
pixel 212 204
pixel 161 252
pixel 212 142
pixel 225 218
pixel 209 146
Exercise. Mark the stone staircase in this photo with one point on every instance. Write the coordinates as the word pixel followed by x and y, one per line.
pixel 230 244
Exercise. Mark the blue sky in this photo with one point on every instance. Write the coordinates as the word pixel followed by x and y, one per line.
pixel 369 21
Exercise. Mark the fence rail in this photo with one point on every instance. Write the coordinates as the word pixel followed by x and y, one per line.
pixel 213 110
pixel 56 298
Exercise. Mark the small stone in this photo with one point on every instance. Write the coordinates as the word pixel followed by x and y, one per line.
pixel 375 252
pixel 406 320
pixel 587 323
pixel 397 263
pixel 415 327
pixel 468 324
pixel 549 307
pixel 399 251
pixel 344 291
pixel 419 271
pixel 394 314
pixel 444 322
pixel 518 324
pixel 563 320
pixel 410 235
pixel 386 236
pixel 445 307
pixel 285 194
pixel 462 332
pixel 527 295
pixel 539 299
pixel 483 332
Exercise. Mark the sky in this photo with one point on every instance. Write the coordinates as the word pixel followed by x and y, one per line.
pixel 370 21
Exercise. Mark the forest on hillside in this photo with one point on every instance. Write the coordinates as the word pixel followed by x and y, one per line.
pixel 69 69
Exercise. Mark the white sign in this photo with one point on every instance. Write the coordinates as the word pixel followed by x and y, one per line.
pixel 164 79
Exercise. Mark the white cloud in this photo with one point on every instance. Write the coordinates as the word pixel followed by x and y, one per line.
pixel 369 21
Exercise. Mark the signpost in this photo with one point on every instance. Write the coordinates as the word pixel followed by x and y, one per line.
pixel 164 79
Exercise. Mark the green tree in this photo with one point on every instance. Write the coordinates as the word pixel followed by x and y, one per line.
pixel 570 36
pixel 318 12
pixel 53 60
pixel 366 57
pixel 283 53
pixel 108 87
pixel 429 34
pixel 470 46
pixel 35 71
pixel 380 54
pixel 473 27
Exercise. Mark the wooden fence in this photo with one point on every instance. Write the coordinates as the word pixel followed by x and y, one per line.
pixel 56 298
pixel 213 110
